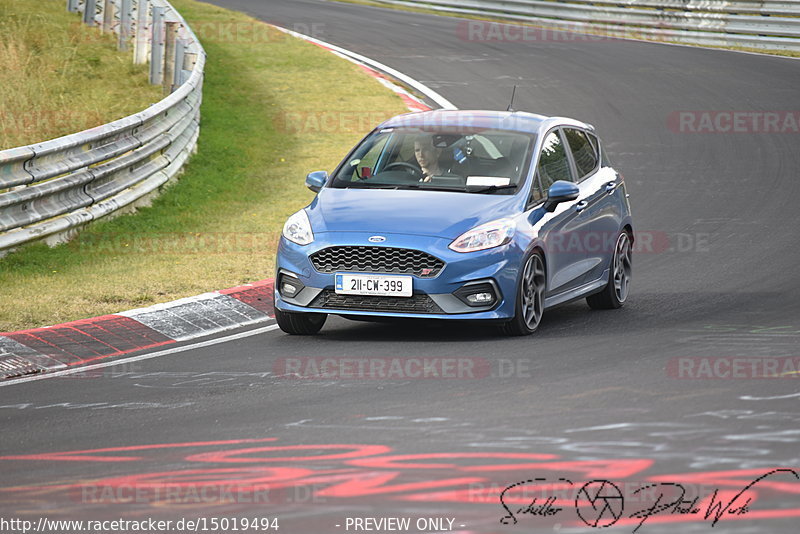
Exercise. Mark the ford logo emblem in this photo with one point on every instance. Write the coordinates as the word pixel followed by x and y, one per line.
pixel 377 239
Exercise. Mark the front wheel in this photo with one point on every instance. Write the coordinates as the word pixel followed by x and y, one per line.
pixel 615 293
pixel 530 298
pixel 302 324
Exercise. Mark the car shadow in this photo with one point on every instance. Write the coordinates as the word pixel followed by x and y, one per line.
pixel 645 312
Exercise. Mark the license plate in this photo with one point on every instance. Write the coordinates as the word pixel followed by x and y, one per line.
pixel 374 284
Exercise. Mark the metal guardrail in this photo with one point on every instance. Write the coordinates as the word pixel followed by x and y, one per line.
pixel 765 24
pixel 48 190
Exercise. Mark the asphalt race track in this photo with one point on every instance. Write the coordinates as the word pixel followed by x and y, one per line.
pixel 623 396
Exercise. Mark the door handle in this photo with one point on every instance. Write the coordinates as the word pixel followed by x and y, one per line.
pixel 611 186
pixel 580 206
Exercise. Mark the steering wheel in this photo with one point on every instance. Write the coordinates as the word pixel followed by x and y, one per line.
pixel 406 166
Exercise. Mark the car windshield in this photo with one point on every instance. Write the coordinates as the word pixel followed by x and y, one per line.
pixel 474 161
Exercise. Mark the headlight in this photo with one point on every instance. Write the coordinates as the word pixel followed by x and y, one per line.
pixel 298 229
pixel 489 235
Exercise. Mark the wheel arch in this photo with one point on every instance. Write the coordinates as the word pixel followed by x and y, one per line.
pixel 628 227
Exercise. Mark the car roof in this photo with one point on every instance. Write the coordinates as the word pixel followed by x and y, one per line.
pixel 447 119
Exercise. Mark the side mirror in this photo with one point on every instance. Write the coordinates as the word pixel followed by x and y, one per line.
pixel 315 180
pixel 560 191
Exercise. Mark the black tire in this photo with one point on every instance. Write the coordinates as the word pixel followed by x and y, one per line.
pixel 301 324
pixel 529 305
pixel 615 293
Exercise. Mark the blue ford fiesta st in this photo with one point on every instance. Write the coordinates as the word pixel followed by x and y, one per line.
pixel 466 215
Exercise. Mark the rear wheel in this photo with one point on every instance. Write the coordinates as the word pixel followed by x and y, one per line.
pixel 303 324
pixel 615 293
pixel 530 298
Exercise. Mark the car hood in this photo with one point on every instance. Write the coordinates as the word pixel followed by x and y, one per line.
pixel 390 211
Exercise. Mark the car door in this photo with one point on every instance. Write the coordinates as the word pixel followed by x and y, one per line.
pixel 601 214
pixel 560 231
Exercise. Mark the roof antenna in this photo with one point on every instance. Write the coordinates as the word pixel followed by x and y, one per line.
pixel 510 104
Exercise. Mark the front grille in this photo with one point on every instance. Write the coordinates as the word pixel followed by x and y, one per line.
pixel 328 299
pixel 377 260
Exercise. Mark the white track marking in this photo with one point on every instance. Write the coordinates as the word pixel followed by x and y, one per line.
pixel 419 86
pixel 141 357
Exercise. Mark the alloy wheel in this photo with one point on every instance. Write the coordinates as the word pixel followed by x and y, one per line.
pixel 533 286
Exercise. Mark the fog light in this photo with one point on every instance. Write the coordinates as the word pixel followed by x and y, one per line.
pixel 478 294
pixel 289 286
pixel 480 298
pixel 289 290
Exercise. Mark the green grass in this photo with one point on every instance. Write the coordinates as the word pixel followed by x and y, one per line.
pixel 58 76
pixel 218 226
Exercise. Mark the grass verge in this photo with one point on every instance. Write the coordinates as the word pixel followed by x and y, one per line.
pixel 59 76
pixel 274 108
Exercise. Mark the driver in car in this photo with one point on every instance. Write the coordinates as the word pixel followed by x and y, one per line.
pixel 428 157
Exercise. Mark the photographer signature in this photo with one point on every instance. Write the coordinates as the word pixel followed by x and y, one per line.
pixel 600 503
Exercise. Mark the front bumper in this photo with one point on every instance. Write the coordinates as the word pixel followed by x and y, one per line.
pixel 433 297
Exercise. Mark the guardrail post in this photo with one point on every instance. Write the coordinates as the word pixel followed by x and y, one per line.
pixel 124 24
pixel 171 38
pixel 72 6
pixel 180 56
pixel 157 46
pixel 108 15
pixel 141 39
pixel 189 60
pixel 89 12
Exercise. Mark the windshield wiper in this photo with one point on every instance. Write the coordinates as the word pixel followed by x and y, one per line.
pixel 362 185
pixel 431 187
pixel 488 188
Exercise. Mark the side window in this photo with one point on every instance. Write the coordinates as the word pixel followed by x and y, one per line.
pixel 369 161
pixel 553 162
pixel 583 152
pixel 536 191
